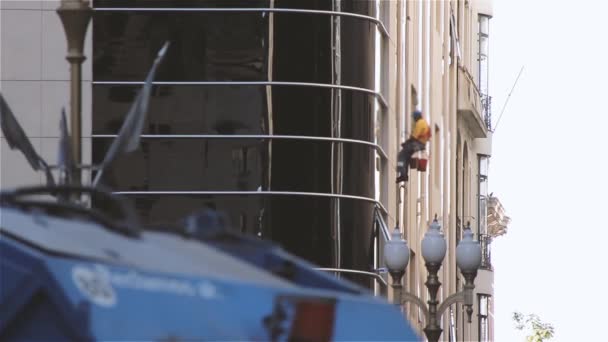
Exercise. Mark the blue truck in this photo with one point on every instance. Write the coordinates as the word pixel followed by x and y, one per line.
pixel 71 273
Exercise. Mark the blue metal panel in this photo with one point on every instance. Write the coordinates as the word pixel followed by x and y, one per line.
pixel 360 321
pixel 75 299
pixel 51 290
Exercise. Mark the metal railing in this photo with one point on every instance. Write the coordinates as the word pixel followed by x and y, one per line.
pixel 377 147
pixel 250 193
pixel 376 21
pixel 372 92
pixel 486 255
pixel 379 220
pixel 486 108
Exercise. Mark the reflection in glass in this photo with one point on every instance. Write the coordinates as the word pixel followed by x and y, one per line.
pixel 221 47
pixel 239 110
pixel 300 224
pixel 237 165
pixel 367 8
pixel 228 47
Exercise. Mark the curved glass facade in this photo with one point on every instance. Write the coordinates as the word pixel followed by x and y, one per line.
pixel 317 84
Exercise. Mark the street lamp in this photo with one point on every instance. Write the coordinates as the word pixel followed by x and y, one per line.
pixel 75 16
pixel 468 259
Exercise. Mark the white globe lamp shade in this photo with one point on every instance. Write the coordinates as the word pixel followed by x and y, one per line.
pixel 468 253
pixel 433 244
pixel 396 253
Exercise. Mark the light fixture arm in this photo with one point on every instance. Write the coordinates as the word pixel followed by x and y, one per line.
pixel 465 296
pixel 458 297
pixel 407 297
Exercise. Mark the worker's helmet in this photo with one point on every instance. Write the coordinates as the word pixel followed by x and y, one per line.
pixel 417 114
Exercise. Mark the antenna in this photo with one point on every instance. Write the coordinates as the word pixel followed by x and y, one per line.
pixel 508 97
pixel 129 135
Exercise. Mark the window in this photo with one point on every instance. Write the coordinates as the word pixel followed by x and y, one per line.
pixel 482 208
pixel 484 49
pixel 237 49
pixel 484 327
pixel 466 185
pixel 482 211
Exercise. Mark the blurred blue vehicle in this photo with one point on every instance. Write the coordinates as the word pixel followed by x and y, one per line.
pixel 71 273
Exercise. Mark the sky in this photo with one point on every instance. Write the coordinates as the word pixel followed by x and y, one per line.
pixel 549 165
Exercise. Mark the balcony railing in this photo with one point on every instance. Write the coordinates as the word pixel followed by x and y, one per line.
pixel 486 255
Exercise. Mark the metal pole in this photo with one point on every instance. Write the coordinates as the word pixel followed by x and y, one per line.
pixel 397 287
pixel 469 286
pixel 76 115
pixel 433 330
pixel 75 16
pixel 508 97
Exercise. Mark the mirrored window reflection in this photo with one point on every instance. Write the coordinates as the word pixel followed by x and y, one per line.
pixel 222 47
pixel 184 109
pixel 228 46
pixel 350 6
pixel 182 3
pixel 239 165
pixel 304 225
pixel 239 110
pixel 203 46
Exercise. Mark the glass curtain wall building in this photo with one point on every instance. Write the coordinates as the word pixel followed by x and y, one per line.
pixel 262 110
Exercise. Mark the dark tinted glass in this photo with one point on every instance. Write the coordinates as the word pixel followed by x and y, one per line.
pixel 358 6
pixel 240 165
pixel 295 110
pixel 238 46
pixel 311 227
pixel 186 3
pixel 230 47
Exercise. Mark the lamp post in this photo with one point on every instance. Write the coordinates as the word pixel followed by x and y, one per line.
pixel 75 16
pixel 468 259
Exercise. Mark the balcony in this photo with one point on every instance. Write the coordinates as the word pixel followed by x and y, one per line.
pixel 470 108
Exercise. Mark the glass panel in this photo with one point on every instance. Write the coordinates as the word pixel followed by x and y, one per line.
pixel 483 328
pixel 483 165
pixel 230 46
pixel 303 225
pixel 483 305
pixel 239 110
pixel 483 186
pixel 483 215
pixel 484 51
pixel 483 193
pixel 483 46
pixel 182 3
pixel 239 165
pixel 222 46
pixel 484 24
pixel 351 6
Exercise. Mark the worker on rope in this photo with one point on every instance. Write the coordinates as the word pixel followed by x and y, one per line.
pixel 421 133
